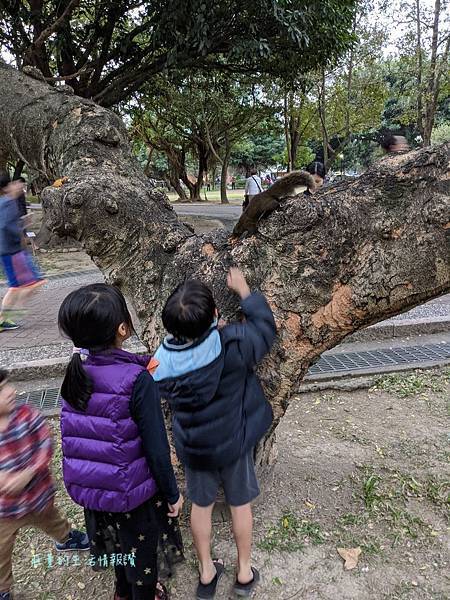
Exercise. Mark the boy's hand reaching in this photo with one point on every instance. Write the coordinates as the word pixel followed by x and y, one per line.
pixel 237 283
pixel 174 509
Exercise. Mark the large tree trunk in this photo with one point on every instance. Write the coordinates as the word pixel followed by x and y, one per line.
pixel 329 264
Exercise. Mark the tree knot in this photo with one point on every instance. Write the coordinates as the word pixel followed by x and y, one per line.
pixel 111 207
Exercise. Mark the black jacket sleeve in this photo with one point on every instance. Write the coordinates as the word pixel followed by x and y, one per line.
pixel 146 411
pixel 259 330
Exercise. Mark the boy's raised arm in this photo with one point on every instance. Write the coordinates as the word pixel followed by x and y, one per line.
pixel 259 330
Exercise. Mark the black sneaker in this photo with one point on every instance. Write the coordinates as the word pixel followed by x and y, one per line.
pixel 8 325
pixel 77 541
pixel 5 596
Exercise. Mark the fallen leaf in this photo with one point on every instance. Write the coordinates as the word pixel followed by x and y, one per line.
pixel 350 556
pixel 81 585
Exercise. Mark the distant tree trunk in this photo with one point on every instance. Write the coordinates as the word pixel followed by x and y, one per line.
pixel 224 174
pixel 3 162
pixel 419 70
pixel 148 164
pixel 434 81
pixel 195 188
pixel 294 144
pixel 328 264
pixel 174 179
pixel 349 87
pixel 176 160
pixel 20 164
pixel 286 132
pixel 323 118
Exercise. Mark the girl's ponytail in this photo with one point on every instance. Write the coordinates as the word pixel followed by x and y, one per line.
pixel 76 388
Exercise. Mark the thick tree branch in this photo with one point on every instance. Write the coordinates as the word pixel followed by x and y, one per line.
pixel 331 263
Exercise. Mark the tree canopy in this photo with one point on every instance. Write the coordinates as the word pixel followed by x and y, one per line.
pixel 107 49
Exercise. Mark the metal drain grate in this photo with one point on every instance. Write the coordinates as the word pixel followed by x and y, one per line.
pixel 45 400
pixel 49 399
pixel 374 359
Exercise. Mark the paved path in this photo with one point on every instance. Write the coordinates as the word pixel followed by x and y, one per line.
pixel 202 209
pixel 216 211
pixel 39 336
pixel 39 329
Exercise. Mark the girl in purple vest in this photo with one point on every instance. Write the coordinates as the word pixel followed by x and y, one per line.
pixel 116 457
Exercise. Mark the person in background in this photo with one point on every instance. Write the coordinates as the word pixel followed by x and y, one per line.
pixel 394 143
pixel 317 170
pixel 219 413
pixel 26 487
pixel 116 457
pixel 22 274
pixel 22 200
pixel 253 186
pixel 233 182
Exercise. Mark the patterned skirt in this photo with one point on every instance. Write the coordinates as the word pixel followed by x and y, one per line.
pixel 145 541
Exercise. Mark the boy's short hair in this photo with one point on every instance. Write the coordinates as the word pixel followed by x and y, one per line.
pixel 189 310
pixel 3 375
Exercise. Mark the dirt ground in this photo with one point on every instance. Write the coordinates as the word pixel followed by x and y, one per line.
pixel 366 469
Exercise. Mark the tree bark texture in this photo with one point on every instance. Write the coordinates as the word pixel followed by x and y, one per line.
pixel 344 258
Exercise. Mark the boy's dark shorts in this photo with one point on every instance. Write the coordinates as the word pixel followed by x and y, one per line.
pixel 238 481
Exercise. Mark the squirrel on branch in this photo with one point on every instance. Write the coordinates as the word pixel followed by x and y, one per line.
pixel 265 202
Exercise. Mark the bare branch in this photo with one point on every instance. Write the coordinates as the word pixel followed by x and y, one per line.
pixel 85 69
pixel 48 31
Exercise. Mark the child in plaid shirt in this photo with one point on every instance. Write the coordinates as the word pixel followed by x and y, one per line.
pixel 26 486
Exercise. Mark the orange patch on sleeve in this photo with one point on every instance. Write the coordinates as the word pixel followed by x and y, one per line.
pixel 152 365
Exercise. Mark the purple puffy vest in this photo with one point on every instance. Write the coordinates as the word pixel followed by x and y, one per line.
pixel 104 465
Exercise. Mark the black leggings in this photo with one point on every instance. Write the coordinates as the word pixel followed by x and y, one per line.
pixel 132 591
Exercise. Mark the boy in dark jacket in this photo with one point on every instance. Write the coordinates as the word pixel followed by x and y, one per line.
pixel 219 412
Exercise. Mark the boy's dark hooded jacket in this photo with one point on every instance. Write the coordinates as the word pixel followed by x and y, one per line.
pixel 218 405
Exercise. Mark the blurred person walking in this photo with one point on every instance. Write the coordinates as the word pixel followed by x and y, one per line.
pixel 22 274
